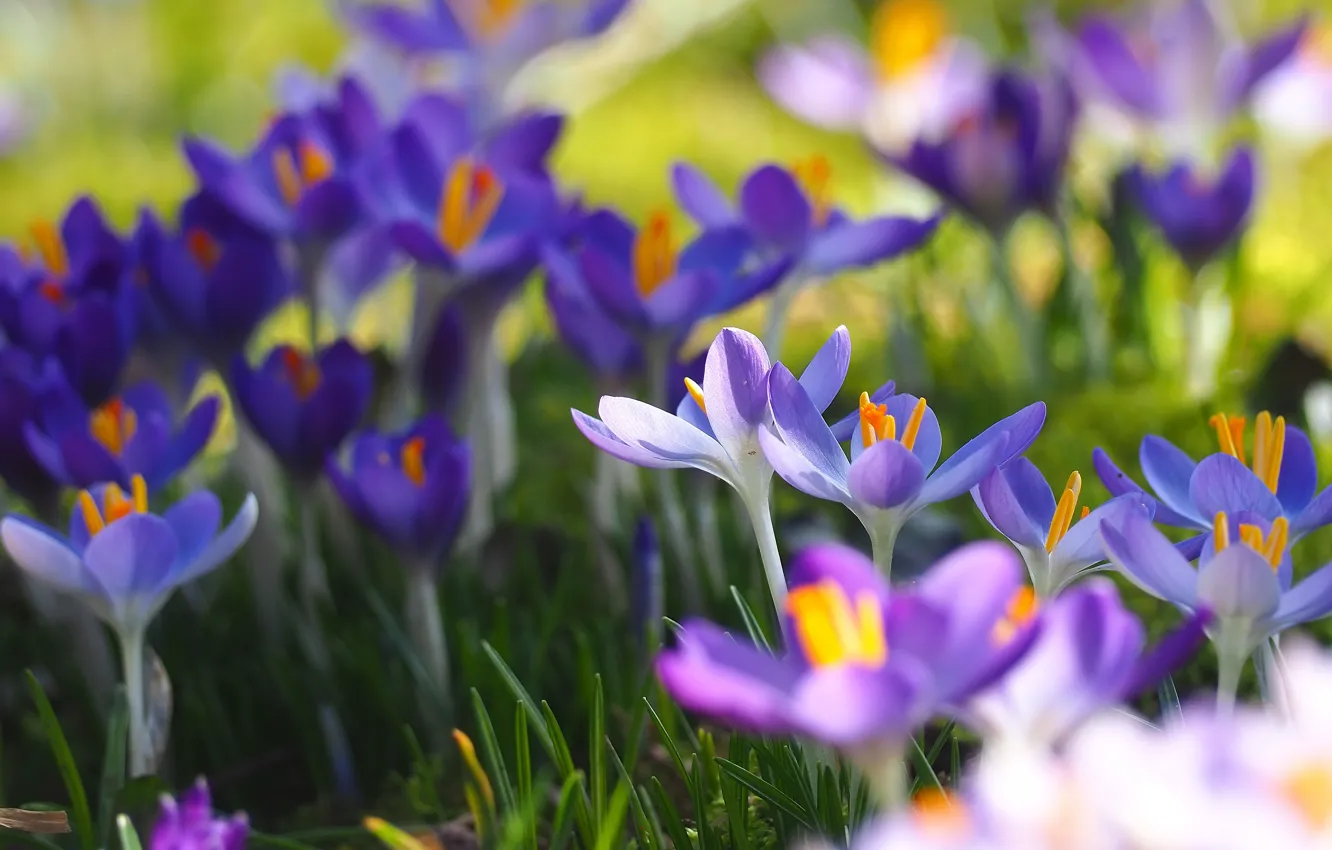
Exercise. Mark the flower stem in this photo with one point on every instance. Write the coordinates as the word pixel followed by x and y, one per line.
pixel 779 311
pixel 1230 664
pixel 760 514
pixel 309 263
pixel 314 576
pixel 885 769
pixel 883 539
pixel 425 626
pixel 1030 333
pixel 1094 333
pixel 677 537
pixel 131 655
pixel 480 521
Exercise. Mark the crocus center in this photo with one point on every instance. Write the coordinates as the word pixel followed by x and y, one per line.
pixel 905 34
pixel 936 812
pixel 113 425
pixel 298 169
pixel 654 254
pixel 834 629
pixel 1269 443
pixel 493 17
pixel 1021 611
pixel 1063 515
pixel 115 505
pixel 412 460
pixel 203 248
pixel 1272 547
pixel 472 192
pixel 302 372
pixel 876 423
pixel 50 248
pixel 1309 790
pixel 696 393
pixel 814 175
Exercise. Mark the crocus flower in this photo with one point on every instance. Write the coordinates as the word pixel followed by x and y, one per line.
pixel 216 279
pixel 1017 501
pixel 1243 577
pixel 409 488
pixel 867 664
pixel 1091 655
pixel 891 474
pixel 1003 158
pixel 716 426
pixel 72 302
pixel 1294 103
pixel 132 434
pixel 607 349
pixel 189 824
pixel 915 80
pixel 303 407
pixel 1280 481
pixel 1198 215
pixel 25 383
pixel 1177 68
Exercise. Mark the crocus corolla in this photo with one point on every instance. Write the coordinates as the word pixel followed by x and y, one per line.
pixel 1198 214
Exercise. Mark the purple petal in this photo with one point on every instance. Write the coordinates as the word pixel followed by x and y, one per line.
pixel 226 178
pixel 826 372
pixel 867 243
pixel 845 705
pixel 43 553
pixel 1119 483
pixel 612 284
pixel 886 475
pixel 797 470
pixel 1270 54
pixel 1222 483
pixel 194 434
pixel 1001 507
pixel 1082 546
pixel 775 208
pixel 1298 478
pixel 132 557
pixel 735 387
pixel 801 425
pixel 525 142
pixel 410 31
pixel 1031 490
pixel 1145 557
pixel 1239 582
pixel 1168 470
pixel 421 244
pixel 700 198
pixel 661 434
pixel 600 436
pixel 195 520
pixel 1315 516
pixel 1307 601
pixel 965 469
pixel 929 440
pixel 1172 652
pixel 828 82
pixel 223 546
pixel 1117 67
pixel 88 462
pixel 680 300
pixel 848 568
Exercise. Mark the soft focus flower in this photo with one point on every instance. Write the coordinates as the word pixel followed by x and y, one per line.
pixel 867 664
pixel 1003 158
pixel 1294 103
pixel 71 301
pixel 891 474
pixel 646 591
pixel 132 434
pixel 304 406
pixel 189 824
pixel 1198 215
pixel 25 383
pixel 409 488
pixel 915 81
pixel 1057 548
pixel 608 350
pixel 1090 655
pixel 123 561
pixel 1279 479
pixel 1177 69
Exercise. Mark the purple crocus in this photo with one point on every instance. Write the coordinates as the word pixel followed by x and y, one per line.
pixel 1279 478
pixel 132 434
pixel 867 664
pixel 410 488
pixel 304 406
pixel 25 383
pixel 1057 548
pixel 608 350
pixel 895 444
pixel 1003 158
pixel 189 824
pixel 72 301
pixel 1243 577
pixel 1091 654
pixel 1176 67
pixel 1198 214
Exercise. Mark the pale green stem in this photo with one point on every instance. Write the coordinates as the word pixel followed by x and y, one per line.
pixel 1230 664
pixel 1030 332
pixel 140 747
pixel 709 532
pixel 309 263
pixel 425 625
pixel 1196 361
pixel 779 311
pixel 1094 332
pixel 760 515
pixel 883 539
pixel 480 520
pixel 677 537
pixel 885 769
pixel 314 576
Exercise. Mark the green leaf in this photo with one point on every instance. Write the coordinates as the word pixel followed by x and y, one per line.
pixel 565 764
pixel 423 779
pixel 494 756
pixel 520 692
pixel 80 814
pixel 523 762
pixel 671 821
pixel 766 790
pixel 752 625
pixel 925 774
pixel 611 827
pixel 596 750
pixel 563 825
pixel 113 763
pixel 735 797
pixel 647 830
pixel 129 838
pixel 669 743
pixel 832 816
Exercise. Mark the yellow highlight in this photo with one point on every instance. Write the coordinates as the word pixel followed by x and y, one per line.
pixel 696 393
pixel 814 175
pixel 1269 443
pixel 654 254
pixel 1021 610
pixel 472 193
pixel 114 505
pixel 831 631
pixel 877 424
pixel 1309 790
pixel 936 812
pixel 50 247
pixel 1063 515
pixel 113 425
pixel 412 459
pixel 905 34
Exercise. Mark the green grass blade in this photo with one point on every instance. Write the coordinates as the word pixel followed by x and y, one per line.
pixel 499 773
pixel 113 764
pixel 80 813
pixel 647 833
pixel 669 743
pixel 129 837
pixel 565 764
pixel 611 827
pixel 522 754
pixel 597 751
pixel 752 624
pixel 925 775
pixel 671 820
pixel 563 825
pixel 767 791
pixel 520 693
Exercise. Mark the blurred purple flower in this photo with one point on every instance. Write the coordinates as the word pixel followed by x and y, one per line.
pixel 25 383
pixel 609 351
pixel 189 824
pixel 1198 214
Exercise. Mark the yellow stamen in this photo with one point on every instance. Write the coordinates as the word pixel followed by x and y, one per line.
pixel 1271 475
pixel 1262 437
pixel 1086 510
pixel 316 165
pixel 654 254
pixel 297 172
pixel 412 460
pixel 113 425
pixel 913 424
pixel 1021 610
pixel 1269 443
pixel 936 812
pixel 1277 538
pixel 287 176
pixel 50 247
pixel 832 631
pixel 472 193
pixel 1272 547
pixel 906 33
pixel 1063 516
pixel 1220 531
pixel 1224 435
pixel 1309 790
pixel 814 176
pixel 494 16
pixel 91 516
pixel 203 248
pixel 114 505
pixel 696 393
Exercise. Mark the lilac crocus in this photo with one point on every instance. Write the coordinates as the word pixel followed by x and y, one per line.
pixel 1057 548
pixel 25 384
pixel 866 664
pixel 1177 68
pixel 895 444
pixel 303 407
pixel 1243 577
pixel 132 434
pixel 1279 478
pixel 609 351
pixel 1091 654
pixel 1198 214
pixel 190 824
pixel 125 562
pixel 716 426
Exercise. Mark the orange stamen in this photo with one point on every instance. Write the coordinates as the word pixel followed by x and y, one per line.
pixel 936 812
pixel 494 16
pixel 113 425
pixel 904 34
pixel 472 193
pixel 654 254
pixel 832 629
pixel 205 250
pixel 696 393
pixel 1063 516
pixel 287 176
pixel 114 505
pixel 1021 610
pixel 1220 531
pixel 302 372
pixel 913 424
pixel 316 164
pixel 814 176
pixel 51 247
pixel 413 460
pixel 53 292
